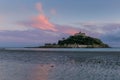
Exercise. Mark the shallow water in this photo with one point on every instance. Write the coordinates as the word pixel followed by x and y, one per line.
pixel 53 64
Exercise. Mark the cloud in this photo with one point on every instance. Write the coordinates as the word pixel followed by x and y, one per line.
pixel 66 29
pixel 42 22
pixel 14 27
pixel 28 38
pixel 104 28
pixel 71 31
pixel 101 28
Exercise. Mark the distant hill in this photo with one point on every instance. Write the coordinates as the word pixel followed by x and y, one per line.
pixel 79 40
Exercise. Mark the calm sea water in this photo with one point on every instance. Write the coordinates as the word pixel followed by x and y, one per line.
pixel 67 49
pixel 59 64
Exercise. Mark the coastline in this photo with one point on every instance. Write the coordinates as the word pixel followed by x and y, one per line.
pixel 71 46
pixel 68 50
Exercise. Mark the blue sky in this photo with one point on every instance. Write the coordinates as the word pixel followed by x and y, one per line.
pixel 34 22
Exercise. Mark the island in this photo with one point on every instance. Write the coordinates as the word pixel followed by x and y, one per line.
pixel 78 40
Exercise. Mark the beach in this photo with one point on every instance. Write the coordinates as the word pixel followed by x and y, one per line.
pixel 59 64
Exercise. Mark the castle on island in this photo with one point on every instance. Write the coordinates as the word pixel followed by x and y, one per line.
pixel 80 34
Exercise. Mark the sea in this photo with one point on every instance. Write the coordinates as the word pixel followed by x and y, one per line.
pixel 60 64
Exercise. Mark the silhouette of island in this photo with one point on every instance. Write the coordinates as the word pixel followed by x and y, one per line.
pixel 78 40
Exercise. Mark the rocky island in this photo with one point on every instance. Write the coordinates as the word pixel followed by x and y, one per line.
pixel 78 40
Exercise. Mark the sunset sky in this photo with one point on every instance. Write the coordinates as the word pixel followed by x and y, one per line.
pixel 35 22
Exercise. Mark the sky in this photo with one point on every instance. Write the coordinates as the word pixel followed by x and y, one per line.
pixel 26 23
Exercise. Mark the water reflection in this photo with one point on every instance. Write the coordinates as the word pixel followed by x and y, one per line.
pixel 22 71
pixel 42 71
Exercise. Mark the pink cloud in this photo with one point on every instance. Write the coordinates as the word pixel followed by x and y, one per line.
pixel 67 29
pixel 42 22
